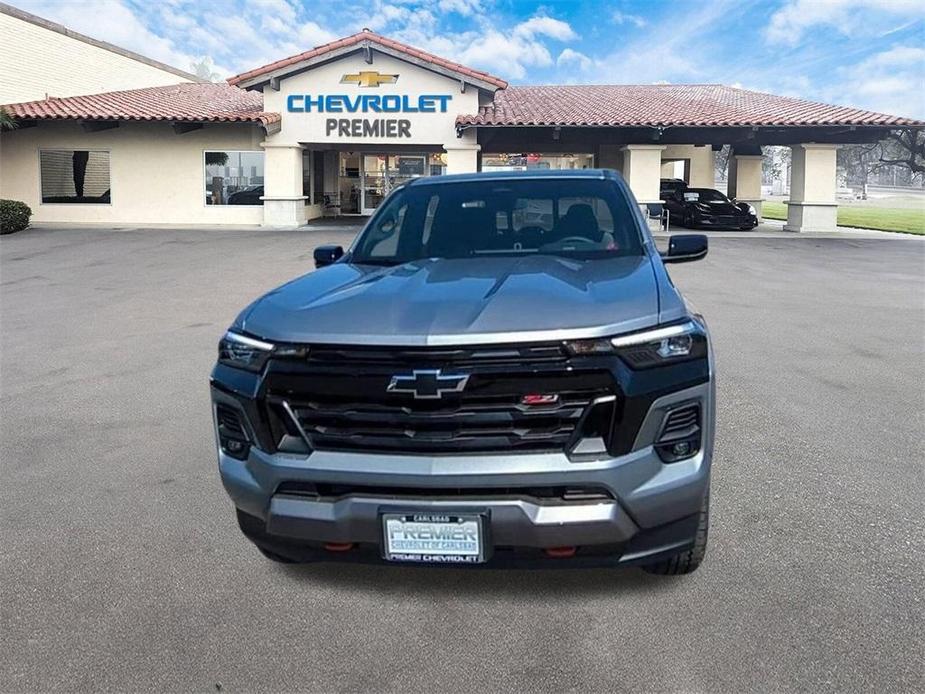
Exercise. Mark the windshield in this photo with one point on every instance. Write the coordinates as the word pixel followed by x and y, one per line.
pixel 704 195
pixel 585 218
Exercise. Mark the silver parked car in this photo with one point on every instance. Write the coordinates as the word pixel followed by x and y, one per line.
pixel 473 383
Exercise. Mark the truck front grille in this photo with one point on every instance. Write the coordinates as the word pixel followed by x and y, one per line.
pixel 472 424
pixel 342 405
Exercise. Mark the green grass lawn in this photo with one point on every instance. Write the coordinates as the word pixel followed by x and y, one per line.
pixel 907 221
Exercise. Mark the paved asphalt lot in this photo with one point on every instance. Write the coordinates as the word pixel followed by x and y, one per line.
pixel 121 566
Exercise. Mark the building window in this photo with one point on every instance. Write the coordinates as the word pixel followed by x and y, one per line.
pixel 536 160
pixel 75 176
pixel 234 178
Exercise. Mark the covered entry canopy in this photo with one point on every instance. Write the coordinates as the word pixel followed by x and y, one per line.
pixel 670 114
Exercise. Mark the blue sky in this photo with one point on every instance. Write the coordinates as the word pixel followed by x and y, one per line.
pixel 865 53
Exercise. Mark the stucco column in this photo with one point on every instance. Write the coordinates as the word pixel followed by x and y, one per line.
pixel 462 159
pixel 812 205
pixel 462 154
pixel 283 201
pixel 703 172
pixel 642 169
pixel 745 179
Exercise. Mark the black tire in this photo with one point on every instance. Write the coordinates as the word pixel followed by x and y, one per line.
pixel 278 558
pixel 687 221
pixel 687 561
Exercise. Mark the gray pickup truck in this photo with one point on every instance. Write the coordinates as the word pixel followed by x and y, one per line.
pixel 499 370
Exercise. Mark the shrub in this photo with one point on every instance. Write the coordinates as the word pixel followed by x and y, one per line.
pixel 14 216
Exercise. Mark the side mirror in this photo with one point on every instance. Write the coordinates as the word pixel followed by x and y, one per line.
pixel 684 248
pixel 326 255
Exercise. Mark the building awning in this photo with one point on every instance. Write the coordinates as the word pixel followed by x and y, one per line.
pixel 179 103
pixel 665 106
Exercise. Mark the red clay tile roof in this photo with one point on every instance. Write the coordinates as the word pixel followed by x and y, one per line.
pixel 703 105
pixel 195 103
pixel 372 37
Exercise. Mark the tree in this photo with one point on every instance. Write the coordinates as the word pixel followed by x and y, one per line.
pixel 775 163
pixel 216 158
pixel 901 149
pixel 721 162
pixel 202 68
pixel 7 122
pixel 905 148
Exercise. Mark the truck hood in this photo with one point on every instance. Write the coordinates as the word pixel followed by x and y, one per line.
pixel 460 301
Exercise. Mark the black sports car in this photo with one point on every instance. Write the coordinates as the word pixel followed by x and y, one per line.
pixel 248 196
pixel 704 207
pixel 669 186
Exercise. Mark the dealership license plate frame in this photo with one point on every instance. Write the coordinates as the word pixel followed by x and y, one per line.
pixel 479 517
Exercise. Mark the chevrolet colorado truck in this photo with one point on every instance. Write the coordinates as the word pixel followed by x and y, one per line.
pixel 499 370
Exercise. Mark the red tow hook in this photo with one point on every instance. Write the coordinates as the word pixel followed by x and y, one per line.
pixel 338 546
pixel 561 552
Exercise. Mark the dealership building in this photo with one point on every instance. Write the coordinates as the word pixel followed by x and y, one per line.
pixel 332 130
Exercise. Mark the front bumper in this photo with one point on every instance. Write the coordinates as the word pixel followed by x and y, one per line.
pixel 725 222
pixel 652 511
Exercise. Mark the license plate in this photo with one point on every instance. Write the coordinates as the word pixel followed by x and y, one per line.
pixel 433 537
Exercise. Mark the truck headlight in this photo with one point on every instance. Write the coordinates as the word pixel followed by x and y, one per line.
pixel 244 352
pixel 662 345
pixel 654 347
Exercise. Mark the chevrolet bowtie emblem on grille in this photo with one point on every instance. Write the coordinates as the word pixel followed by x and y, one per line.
pixel 369 78
pixel 428 384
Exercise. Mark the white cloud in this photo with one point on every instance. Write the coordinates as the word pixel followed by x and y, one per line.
pixel 619 17
pixel 849 17
pixel 681 52
pixel 239 35
pixel 573 59
pixel 892 81
pixel 466 8
pixel 115 22
pixel 311 34
pixel 542 25
pixel 507 51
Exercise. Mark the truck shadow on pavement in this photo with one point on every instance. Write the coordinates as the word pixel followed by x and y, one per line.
pixel 440 581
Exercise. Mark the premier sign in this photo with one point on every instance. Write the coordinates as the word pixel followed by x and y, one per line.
pixel 364 127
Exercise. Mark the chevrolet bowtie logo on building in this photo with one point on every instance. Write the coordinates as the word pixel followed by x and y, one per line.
pixel 428 384
pixel 369 78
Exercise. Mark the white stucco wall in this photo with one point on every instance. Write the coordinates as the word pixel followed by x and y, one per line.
pixel 156 175
pixel 642 169
pixel 38 61
pixel 700 160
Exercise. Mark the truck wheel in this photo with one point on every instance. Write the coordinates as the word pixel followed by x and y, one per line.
pixel 687 561
pixel 273 556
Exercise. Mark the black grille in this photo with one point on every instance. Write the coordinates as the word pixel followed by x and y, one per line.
pixel 681 423
pixel 505 354
pixel 341 400
pixel 469 424
pixel 559 494
pixel 228 421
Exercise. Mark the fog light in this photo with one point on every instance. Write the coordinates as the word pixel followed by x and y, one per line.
pixel 235 448
pixel 681 449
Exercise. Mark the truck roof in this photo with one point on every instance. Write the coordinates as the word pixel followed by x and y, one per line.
pixel 501 175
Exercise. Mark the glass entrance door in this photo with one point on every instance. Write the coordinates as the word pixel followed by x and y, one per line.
pixel 375 181
pixel 365 179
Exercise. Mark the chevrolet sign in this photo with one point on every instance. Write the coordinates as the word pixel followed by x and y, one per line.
pixel 368 103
